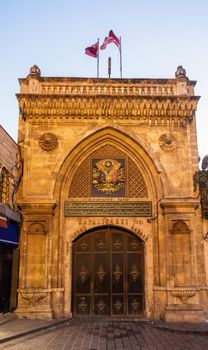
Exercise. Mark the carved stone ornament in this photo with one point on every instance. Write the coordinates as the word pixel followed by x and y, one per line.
pixel 35 70
pixel 142 108
pixel 180 72
pixel 33 297
pixel 48 141
pixel 183 294
pixel 37 228
pixel 167 142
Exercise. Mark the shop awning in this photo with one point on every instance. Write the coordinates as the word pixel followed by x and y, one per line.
pixel 9 235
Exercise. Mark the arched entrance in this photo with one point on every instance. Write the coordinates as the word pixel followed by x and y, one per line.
pixel 108 273
pixel 85 207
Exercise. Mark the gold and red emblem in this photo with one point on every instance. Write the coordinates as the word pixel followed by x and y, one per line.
pixel 108 176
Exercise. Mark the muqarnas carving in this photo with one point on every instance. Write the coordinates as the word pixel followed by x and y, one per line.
pixel 167 142
pixel 48 141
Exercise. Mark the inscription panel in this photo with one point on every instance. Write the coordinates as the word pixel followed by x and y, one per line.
pixel 143 208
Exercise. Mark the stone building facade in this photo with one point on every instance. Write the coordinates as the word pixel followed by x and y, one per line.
pixel 111 223
pixel 9 222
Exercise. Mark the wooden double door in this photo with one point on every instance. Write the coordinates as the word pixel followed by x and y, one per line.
pixel 108 274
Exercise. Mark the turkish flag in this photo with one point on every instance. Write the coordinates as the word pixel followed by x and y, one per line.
pixel 92 50
pixel 111 38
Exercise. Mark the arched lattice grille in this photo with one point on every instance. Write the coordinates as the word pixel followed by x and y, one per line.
pixel 81 185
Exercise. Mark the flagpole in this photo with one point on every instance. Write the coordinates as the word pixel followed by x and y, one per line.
pixel 98 59
pixel 109 67
pixel 120 59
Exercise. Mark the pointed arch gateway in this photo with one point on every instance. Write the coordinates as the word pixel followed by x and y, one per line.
pixel 97 201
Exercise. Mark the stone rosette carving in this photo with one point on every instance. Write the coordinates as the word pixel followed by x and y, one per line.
pixel 33 297
pixel 183 294
pixel 167 142
pixel 48 141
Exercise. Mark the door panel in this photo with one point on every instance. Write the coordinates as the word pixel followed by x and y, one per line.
pixel 83 262
pixel 118 305
pixel 135 304
pixel 108 274
pixel 101 273
pixel 117 276
pixel 101 305
pixel 82 275
pixel 83 305
pixel 117 241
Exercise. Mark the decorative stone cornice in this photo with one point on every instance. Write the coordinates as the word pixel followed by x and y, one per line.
pixel 34 208
pixel 177 205
pixel 107 107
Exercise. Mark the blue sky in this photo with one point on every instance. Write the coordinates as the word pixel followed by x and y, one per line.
pixel 157 36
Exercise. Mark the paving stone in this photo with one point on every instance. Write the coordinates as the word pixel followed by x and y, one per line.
pixel 83 335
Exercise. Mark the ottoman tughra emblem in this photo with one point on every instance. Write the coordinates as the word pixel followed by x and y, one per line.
pixel 48 141
pixel 108 176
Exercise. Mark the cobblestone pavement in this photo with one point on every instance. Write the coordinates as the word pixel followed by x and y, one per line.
pixel 83 335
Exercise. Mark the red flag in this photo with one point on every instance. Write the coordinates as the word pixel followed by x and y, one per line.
pixel 92 50
pixel 111 38
pixel 3 222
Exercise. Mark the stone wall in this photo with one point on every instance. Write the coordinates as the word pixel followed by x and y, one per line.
pixel 8 149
